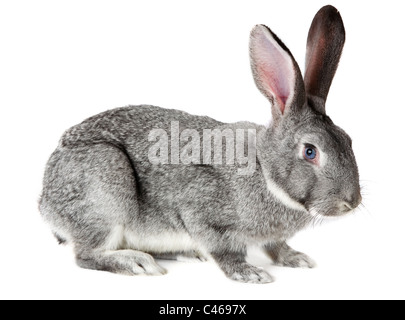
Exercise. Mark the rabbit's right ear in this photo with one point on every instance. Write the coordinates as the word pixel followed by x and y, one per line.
pixel 326 38
pixel 276 73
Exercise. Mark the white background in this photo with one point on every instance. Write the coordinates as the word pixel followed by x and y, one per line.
pixel 63 61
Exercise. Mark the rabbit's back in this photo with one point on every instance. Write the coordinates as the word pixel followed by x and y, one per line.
pixel 131 126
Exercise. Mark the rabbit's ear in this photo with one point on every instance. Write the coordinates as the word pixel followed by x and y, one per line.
pixel 325 42
pixel 275 72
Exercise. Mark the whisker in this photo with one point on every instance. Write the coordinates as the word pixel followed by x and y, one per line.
pixel 363 208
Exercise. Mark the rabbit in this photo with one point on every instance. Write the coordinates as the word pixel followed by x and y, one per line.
pixel 103 195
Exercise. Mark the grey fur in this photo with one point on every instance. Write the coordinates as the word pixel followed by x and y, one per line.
pixel 102 195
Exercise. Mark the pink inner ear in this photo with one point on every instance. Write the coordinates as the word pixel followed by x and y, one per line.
pixel 283 99
pixel 275 72
pixel 274 80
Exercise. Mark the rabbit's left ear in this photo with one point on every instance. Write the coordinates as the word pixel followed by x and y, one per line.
pixel 275 72
pixel 325 42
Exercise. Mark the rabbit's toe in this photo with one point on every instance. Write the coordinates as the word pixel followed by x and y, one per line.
pixel 250 274
pixel 148 266
pixel 296 260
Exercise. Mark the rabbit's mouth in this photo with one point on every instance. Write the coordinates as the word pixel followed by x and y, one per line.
pixel 334 206
pixel 334 210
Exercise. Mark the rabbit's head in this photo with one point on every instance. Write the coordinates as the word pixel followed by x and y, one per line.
pixel 305 157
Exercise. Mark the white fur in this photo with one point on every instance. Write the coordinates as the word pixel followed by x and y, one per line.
pixel 281 195
pixel 322 158
pixel 116 238
pixel 157 243
pixel 313 212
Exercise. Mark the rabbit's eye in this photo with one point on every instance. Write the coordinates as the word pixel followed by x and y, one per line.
pixel 310 152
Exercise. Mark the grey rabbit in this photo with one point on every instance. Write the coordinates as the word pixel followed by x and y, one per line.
pixel 120 211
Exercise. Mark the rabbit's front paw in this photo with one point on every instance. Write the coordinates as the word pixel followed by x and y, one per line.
pixel 251 274
pixel 296 260
pixel 283 255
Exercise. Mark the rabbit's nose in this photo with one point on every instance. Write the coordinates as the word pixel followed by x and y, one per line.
pixel 356 200
pixel 351 203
